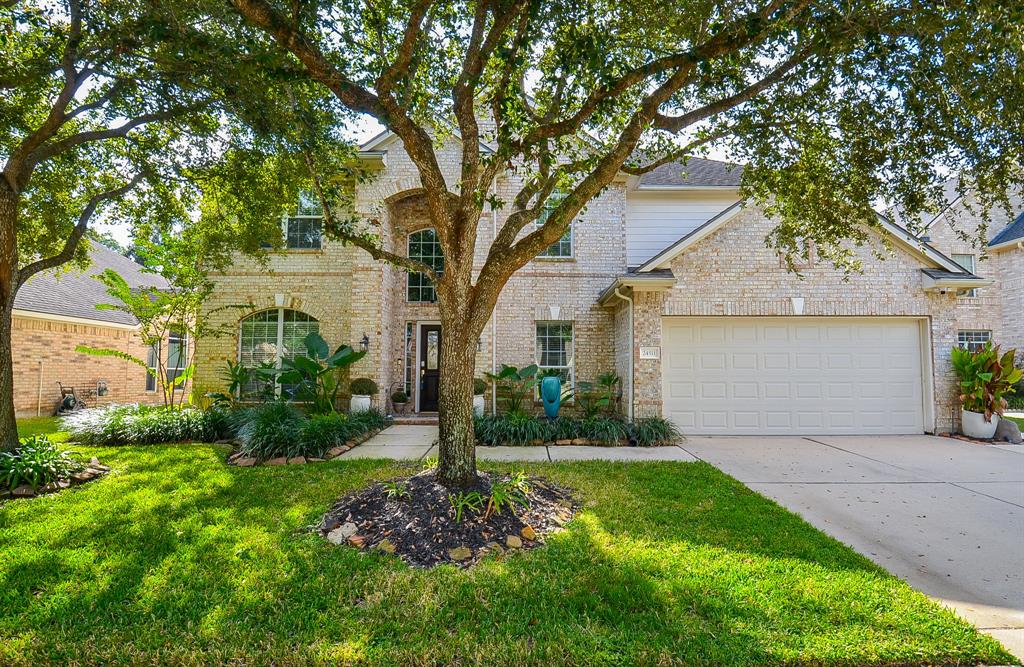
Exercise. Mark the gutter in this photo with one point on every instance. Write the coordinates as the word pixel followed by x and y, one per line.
pixel 632 343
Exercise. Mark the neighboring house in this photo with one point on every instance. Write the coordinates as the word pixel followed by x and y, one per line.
pixel 664 278
pixel 55 312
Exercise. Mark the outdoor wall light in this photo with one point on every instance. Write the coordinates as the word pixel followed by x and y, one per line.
pixel 364 343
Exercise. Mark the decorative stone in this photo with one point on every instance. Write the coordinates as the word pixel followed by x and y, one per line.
pixel 357 540
pixel 23 491
pixel 528 533
pixel 83 476
pixel 342 533
pixel 494 546
pixel 314 459
pixel 460 553
pixel 245 462
pixel 514 542
pixel 335 451
pixel 536 442
pixel 386 546
pixel 580 441
pixel 565 441
pixel 296 460
pixel 1007 431
pixel 279 461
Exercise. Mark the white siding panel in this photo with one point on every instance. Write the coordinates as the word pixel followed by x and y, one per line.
pixel 657 219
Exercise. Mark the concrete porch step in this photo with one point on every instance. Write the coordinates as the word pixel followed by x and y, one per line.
pixel 428 419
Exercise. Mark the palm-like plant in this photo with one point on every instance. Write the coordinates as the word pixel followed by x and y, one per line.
pixel 314 377
pixel 986 378
pixel 515 386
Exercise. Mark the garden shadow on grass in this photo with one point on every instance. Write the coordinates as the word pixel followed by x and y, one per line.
pixel 177 557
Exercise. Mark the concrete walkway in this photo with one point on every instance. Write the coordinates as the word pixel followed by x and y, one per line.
pixel 945 515
pixel 415 443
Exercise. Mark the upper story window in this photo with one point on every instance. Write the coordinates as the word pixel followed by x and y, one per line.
pixel 969 263
pixel 302 231
pixel 563 246
pixel 425 247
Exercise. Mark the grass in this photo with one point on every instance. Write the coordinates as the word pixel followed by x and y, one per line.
pixel 177 558
pixel 1019 420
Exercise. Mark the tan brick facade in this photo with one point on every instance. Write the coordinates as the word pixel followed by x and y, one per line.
pixel 45 354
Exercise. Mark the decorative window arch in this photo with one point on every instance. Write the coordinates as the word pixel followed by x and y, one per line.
pixel 266 337
pixel 424 246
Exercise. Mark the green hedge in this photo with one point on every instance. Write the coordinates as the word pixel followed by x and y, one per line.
pixel 278 429
pixel 518 429
pixel 146 425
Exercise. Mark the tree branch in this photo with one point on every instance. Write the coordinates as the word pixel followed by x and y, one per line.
pixel 71 244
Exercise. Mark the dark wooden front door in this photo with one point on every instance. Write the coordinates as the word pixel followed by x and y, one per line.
pixel 430 354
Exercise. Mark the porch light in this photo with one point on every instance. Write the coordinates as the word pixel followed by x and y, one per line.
pixel 364 343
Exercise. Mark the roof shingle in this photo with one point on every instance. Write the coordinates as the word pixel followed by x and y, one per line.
pixel 696 172
pixel 1013 232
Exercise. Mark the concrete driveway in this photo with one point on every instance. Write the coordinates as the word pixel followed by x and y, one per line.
pixel 945 515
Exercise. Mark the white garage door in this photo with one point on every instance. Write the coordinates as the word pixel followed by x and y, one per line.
pixel 766 375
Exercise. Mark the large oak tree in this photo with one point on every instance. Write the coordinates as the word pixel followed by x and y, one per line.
pixel 833 105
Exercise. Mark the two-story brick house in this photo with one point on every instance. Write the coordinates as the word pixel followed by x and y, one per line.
pixel 664 278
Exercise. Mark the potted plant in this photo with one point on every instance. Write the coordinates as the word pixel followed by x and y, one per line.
pixel 479 389
pixel 362 390
pixel 986 377
pixel 399 400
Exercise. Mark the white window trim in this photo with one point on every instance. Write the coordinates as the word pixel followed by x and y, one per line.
pixel 409 274
pixel 986 333
pixel 284 232
pixel 155 369
pixel 571 365
pixel 278 356
pixel 544 257
pixel 183 358
pixel 973 268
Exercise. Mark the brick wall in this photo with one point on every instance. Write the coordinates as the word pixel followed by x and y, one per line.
pixel 44 353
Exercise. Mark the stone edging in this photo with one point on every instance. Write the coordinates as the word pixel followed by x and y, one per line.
pixel 94 470
pixel 236 459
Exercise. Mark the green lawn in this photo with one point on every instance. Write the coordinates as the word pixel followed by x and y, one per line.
pixel 177 558
pixel 1019 420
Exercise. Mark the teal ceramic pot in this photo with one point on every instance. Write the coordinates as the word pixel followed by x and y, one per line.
pixel 551 395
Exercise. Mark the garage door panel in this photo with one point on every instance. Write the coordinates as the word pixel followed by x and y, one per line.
pixel 792 375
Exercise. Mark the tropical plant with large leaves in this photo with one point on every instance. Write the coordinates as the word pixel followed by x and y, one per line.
pixel 515 386
pixel 315 377
pixel 986 377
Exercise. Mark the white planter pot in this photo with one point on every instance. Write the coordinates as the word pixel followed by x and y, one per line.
pixel 973 425
pixel 478 405
pixel 359 404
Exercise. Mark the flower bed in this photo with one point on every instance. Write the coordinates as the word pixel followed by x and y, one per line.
pixel 517 429
pixel 38 467
pixel 147 425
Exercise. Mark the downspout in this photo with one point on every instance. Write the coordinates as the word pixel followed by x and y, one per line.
pixel 494 324
pixel 629 369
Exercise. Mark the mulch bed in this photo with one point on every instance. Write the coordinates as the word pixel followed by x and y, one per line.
pixel 421 528
pixel 88 473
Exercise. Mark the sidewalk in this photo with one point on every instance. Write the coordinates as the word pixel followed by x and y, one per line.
pixel 415 443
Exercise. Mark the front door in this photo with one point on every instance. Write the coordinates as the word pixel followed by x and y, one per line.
pixel 430 353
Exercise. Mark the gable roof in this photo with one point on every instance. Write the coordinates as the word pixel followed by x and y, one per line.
pixel 76 293
pixel 910 242
pixel 1013 232
pixel 696 172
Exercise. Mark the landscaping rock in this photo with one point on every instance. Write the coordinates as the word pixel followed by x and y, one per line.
pixel 23 491
pixel 494 546
pixel 314 459
pixel 513 542
pixel 342 533
pixel 580 441
pixel 528 533
pixel 296 460
pixel 1007 431
pixel 245 462
pixel 95 463
pixel 335 451
pixel 565 441
pixel 460 553
pixel 279 461
pixel 84 476
pixel 357 541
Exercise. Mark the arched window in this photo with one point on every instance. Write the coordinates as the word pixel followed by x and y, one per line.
pixel 425 247
pixel 270 335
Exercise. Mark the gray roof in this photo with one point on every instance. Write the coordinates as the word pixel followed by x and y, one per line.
pixel 76 293
pixel 1013 232
pixel 696 172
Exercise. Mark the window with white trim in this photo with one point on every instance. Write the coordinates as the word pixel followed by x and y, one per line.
pixel 555 349
pixel 973 339
pixel 177 354
pixel 968 262
pixel 152 365
pixel 425 247
pixel 302 231
pixel 266 337
pixel 562 248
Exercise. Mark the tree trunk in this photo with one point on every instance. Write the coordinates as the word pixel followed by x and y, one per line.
pixel 456 442
pixel 8 273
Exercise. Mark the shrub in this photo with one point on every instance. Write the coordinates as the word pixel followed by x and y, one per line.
pixel 653 432
pixel 35 462
pixel 604 430
pixel 513 428
pixel 145 425
pixel 363 387
pixel 323 432
pixel 479 386
pixel 368 420
pixel 272 430
pixel 399 397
